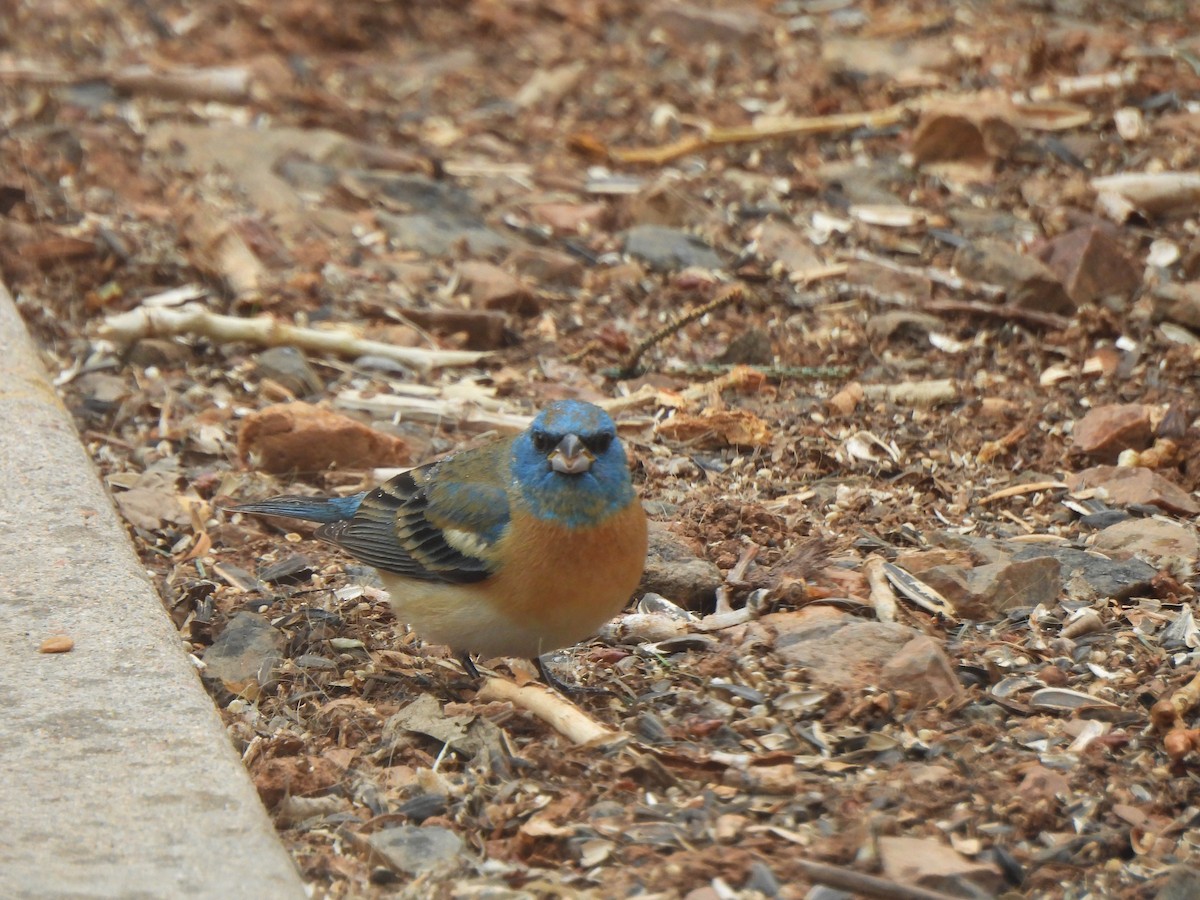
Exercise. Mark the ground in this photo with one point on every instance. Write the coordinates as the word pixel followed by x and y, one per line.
pixel 871 289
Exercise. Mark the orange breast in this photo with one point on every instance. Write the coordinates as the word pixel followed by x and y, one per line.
pixel 571 581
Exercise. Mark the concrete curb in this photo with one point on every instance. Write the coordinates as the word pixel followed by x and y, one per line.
pixel 116 776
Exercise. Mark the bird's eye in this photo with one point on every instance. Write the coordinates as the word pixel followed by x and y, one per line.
pixel 598 443
pixel 542 442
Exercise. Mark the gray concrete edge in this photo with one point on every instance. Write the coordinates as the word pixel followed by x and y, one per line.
pixel 117 778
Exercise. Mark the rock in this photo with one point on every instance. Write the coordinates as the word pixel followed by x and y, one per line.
pixel 1086 576
pixel 415 849
pixel 1091 265
pixel 843 651
pixel 440 234
pixel 1158 540
pixel 930 864
pixel 490 287
pixel 150 500
pixel 569 217
pixel 299 437
pixel 921 669
pixel 247 647
pixel 1028 283
pixel 674 571
pixel 916 562
pixel 547 266
pixel 694 25
pixel 665 249
pixel 288 367
pixel 1107 430
pixel 1181 883
pixel 787 245
pixel 1179 303
pixel 998 587
pixel 1130 486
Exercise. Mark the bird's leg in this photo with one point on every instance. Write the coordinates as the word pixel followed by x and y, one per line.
pixel 468 665
pixel 567 690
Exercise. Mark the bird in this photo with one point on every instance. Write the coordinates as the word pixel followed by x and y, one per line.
pixel 524 545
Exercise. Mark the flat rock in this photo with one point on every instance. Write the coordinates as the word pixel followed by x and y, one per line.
pixel 965 131
pixel 300 437
pixel 248 645
pixel 675 572
pixel 1088 576
pixel 1179 303
pixel 665 249
pixel 414 849
pixel 1129 486
pixel 930 864
pixel 1157 540
pixel 844 651
pixel 442 234
pixel 1181 883
pixel 1107 430
pixel 787 245
pixel 546 266
pixel 290 368
pixel 490 287
pixel 995 588
pixel 691 25
pixel 1027 282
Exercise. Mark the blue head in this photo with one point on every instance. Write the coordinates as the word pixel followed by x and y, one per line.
pixel 569 465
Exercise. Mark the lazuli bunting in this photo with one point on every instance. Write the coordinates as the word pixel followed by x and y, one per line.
pixel 515 548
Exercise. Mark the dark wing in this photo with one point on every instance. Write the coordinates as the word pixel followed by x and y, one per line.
pixel 439 522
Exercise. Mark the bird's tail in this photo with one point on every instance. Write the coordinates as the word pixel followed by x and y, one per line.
pixel 311 509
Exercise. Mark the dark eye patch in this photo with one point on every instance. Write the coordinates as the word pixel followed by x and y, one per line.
pixel 598 443
pixel 543 442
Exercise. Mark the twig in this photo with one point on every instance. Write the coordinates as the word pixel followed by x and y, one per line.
pixel 141 323
pixel 657 156
pixel 1016 490
pixel 565 718
pixel 630 365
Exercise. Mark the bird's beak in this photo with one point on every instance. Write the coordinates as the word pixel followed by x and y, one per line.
pixel 571 457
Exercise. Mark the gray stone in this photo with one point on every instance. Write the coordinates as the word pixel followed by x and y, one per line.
pixel 413 849
pixel 665 249
pixel 1087 576
pixel 289 367
pixel 1157 540
pixel 1183 883
pixel 248 647
pixel 676 573
pixel 441 234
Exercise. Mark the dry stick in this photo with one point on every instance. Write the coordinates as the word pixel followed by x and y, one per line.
pixel 789 128
pixel 728 295
pixel 863 884
pixel 143 322
pixel 564 717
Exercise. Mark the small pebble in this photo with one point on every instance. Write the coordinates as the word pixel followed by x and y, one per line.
pixel 60 643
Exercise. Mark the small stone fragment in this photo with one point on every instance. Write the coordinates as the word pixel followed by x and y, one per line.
pixel 674 571
pixel 1107 430
pixel 695 25
pixel 58 643
pixel 953 131
pixel 299 437
pixel 294 569
pixel 248 645
pixel 413 849
pixel 667 249
pixel 750 348
pixel 1130 486
pixel 547 266
pixel 1179 303
pixel 786 244
pixel 995 588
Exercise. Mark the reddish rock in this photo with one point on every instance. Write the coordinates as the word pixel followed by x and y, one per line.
pixel 922 670
pixel 1107 430
pixel 1091 265
pixel 569 217
pixel 1127 485
pixel 547 266
pixel 299 437
pixel 930 864
pixel 490 287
